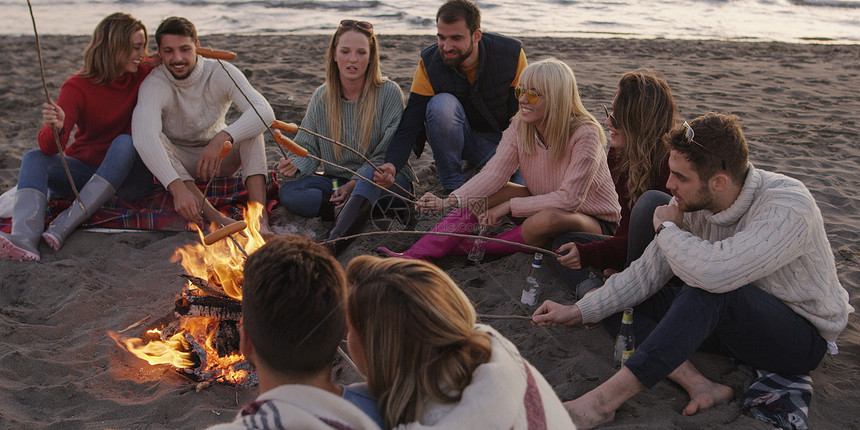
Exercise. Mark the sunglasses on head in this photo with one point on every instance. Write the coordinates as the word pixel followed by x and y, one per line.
pixel 531 95
pixel 360 24
pixel 689 136
pixel 611 117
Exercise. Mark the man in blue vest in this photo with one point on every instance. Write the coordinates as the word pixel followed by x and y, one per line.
pixel 462 97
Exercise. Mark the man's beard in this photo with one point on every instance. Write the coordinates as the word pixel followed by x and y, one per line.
pixel 704 199
pixel 456 61
pixel 175 76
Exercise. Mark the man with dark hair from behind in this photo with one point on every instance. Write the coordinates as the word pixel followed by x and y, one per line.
pixel 462 97
pixel 294 317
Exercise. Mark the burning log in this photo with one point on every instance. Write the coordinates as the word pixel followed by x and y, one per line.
pixel 219 308
pixel 204 285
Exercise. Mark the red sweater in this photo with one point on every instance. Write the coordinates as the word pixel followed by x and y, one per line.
pixel 612 252
pixel 101 112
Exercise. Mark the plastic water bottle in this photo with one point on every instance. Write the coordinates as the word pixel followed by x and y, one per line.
pixel 624 343
pixel 476 254
pixel 531 291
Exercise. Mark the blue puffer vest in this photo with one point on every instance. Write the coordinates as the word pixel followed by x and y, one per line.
pixel 489 103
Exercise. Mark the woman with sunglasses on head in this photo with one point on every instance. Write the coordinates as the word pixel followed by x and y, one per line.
pixel 559 148
pixel 359 107
pixel 413 333
pixel 642 112
pixel 97 102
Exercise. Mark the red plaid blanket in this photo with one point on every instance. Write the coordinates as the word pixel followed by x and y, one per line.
pixel 155 212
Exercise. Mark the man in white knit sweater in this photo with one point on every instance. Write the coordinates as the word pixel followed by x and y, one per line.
pixel 179 126
pixel 758 274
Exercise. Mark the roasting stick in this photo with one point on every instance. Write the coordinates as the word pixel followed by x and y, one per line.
pixel 291 128
pixel 297 149
pixel 225 148
pixel 227 231
pixel 48 98
pixel 285 141
pixel 504 317
pixel 350 362
pixel 440 233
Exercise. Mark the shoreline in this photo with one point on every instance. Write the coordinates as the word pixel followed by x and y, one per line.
pixel 798 105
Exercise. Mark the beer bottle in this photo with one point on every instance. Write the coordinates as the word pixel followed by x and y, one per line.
pixel 531 291
pixel 624 345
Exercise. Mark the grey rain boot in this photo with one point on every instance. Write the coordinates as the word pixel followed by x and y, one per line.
pixel 28 222
pixel 94 194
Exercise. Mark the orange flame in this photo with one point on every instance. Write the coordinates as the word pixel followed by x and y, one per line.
pixel 220 263
pixel 223 261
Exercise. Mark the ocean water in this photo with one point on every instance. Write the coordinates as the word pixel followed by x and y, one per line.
pixel 800 21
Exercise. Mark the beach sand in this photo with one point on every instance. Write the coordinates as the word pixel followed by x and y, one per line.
pixel 59 369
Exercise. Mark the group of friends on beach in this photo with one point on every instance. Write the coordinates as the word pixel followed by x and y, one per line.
pixel 673 221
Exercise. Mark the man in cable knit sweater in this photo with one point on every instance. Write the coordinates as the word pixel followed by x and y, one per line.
pixel 758 277
pixel 179 124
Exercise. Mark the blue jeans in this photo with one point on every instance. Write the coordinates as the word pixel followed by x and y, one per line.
pixel 641 231
pixel 574 276
pixel 304 196
pixel 122 168
pixel 453 140
pixel 373 193
pixel 747 324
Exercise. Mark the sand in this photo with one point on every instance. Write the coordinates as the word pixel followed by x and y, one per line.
pixel 59 369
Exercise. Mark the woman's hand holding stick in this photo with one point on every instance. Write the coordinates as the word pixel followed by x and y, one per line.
pixel 292 128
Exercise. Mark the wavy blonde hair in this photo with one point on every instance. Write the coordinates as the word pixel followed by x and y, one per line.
pixel 417 328
pixel 645 110
pixel 366 107
pixel 565 113
pixel 110 47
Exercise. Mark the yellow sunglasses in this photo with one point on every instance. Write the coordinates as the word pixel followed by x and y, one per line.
pixel 531 95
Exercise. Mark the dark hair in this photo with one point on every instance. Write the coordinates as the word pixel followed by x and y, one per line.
pixel 176 26
pixel 718 145
pixel 460 10
pixel 293 305
pixel 645 110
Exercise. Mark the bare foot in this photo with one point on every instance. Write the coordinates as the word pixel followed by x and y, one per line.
pixel 585 414
pixel 706 395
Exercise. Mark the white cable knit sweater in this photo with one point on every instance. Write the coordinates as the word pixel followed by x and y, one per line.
pixel 192 111
pixel 771 236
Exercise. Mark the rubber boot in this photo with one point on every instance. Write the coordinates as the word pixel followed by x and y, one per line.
pixel 461 221
pixel 497 248
pixel 93 195
pixel 353 216
pixel 28 222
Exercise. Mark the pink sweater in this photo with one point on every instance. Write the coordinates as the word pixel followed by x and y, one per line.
pixel 581 182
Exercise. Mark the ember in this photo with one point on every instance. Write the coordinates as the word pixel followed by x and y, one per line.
pixel 201 338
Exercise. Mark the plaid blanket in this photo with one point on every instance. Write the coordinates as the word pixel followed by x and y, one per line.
pixel 782 400
pixel 156 212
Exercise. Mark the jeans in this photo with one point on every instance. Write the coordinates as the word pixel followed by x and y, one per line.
pixel 122 168
pixel 641 230
pixel 304 196
pixel 373 193
pixel 747 324
pixel 453 140
pixel 574 276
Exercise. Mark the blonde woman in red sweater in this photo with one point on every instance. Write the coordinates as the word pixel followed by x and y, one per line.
pixel 97 102
pixel 559 148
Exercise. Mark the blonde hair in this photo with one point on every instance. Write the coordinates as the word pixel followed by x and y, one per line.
pixel 418 332
pixel 365 113
pixel 110 47
pixel 554 80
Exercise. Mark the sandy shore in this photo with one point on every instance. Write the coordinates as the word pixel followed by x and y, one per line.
pixel 59 369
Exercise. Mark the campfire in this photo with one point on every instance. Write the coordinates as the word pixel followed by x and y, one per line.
pixel 200 338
